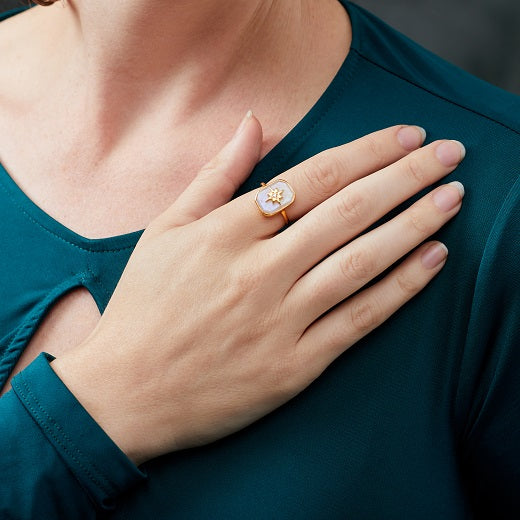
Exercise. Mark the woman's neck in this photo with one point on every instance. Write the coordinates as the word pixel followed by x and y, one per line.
pixel 126 66
pixel 127 103
pixel 143 48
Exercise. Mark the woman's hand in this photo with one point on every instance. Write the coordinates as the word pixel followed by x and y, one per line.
pixel 218 319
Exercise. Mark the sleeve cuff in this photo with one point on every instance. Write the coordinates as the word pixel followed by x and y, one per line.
pixel 101 468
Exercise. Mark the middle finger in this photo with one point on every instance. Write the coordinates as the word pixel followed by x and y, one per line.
pixel 348 213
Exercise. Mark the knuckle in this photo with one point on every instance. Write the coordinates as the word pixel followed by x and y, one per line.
pixel 215 233
pixel 284 375
pixel 297 370
pixel 247 281
pixel 250 277
pixel 358 266
pixel 213 164
pixel 364 316
pixel 351 208
pixel 418 221
pixel 323 174
pixel 415 170
pixel 155 228
pixel 408 286
pixel 217 168
pixel 376 149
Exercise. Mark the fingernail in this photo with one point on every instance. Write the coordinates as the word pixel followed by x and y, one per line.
pixel 450 153
pixel 449 196
pixel 411 137
pixel 243 123
pixel 434 256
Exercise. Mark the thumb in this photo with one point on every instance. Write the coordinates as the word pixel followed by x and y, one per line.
pixel 219 179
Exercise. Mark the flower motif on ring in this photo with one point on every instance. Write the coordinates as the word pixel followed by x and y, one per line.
pixel 274 197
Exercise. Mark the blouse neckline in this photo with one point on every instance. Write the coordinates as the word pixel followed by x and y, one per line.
pixel 270 165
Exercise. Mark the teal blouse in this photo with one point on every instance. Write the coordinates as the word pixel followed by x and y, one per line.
pixel 421 419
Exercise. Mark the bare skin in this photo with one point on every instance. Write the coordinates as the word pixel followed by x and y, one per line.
pixel 128 114
pixel 131 130
pixel 153 376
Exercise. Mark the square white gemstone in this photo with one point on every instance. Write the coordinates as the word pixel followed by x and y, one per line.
pixel 274 197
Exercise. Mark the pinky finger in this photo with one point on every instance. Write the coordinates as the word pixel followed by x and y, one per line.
pixel 335 332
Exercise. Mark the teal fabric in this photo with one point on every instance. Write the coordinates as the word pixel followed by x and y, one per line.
pixel 91 458
pixel 421 419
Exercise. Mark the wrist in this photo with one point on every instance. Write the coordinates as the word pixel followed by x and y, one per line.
pixel 107 399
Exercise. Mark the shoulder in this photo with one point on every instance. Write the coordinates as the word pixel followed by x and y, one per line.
pixel 394 80
pixel 396 55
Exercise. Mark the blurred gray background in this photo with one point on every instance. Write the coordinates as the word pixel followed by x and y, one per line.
pixel 481 36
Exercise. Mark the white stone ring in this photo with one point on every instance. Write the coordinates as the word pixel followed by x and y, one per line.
pixel 274 198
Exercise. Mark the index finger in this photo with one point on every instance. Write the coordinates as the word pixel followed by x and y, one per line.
pixel 324 174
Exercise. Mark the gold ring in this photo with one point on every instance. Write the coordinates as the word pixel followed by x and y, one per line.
pixel 274 198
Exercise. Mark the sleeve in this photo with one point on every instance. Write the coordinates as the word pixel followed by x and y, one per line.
pixel 490 373
pixel 56 461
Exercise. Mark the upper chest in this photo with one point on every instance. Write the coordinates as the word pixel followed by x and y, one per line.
pixel 122 194
pixel 95 198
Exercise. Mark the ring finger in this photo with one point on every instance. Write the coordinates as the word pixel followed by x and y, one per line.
pixel 353 319
pixel 353 266
pixel 323 175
